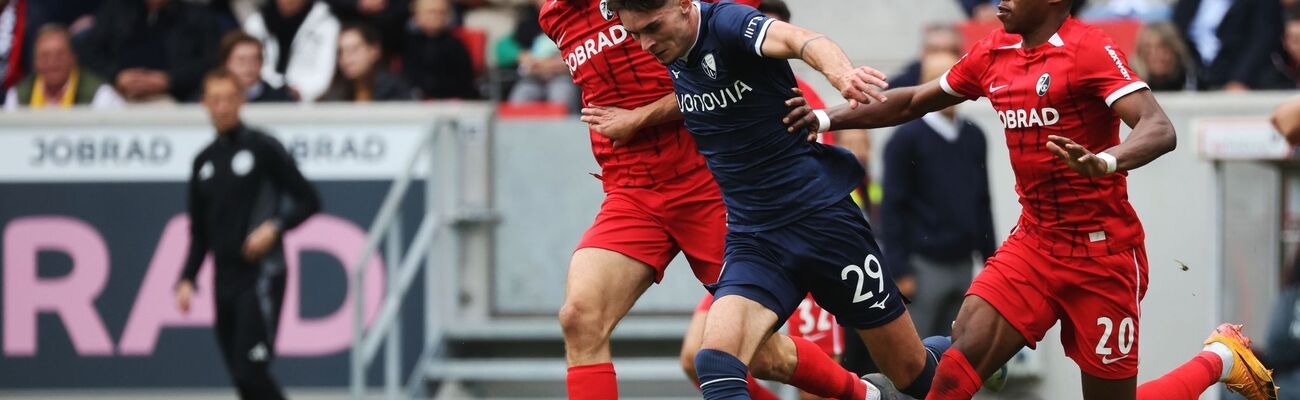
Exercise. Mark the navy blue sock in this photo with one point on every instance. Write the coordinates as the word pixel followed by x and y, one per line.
pixel 722 376
pixel 934 348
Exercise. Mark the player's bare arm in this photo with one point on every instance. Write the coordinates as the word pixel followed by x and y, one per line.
pixel 621 125
pixel 857 85
pixel 904 104
pixel 1153 135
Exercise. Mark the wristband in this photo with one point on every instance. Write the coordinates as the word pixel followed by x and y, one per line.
pixel 1111 162
pixel 823 121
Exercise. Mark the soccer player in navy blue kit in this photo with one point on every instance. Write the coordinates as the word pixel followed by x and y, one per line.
pixel 792 226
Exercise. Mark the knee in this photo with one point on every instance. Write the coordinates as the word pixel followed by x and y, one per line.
pixel 582 322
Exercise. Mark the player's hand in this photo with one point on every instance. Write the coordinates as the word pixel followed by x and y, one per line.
pixel 617 124
pixel 795 119
pixel 858 86
pixel 261 240
pixel 1078 158
pixel 184 292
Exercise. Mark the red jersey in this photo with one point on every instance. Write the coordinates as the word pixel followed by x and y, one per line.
pixel 1064 87
pixel 612 70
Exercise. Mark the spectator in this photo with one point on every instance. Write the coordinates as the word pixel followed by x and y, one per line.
pixel 1229 39
pixel 435 61
pixel 388 16
pixel 152 50
pixel 301 40
pixel 543 75
pixel 58 79
pixel 1162 58
pixel 13 19
pixel 936 214
pixel 360 78
pixel 1283 69
pixel 939 38
pixel 241 55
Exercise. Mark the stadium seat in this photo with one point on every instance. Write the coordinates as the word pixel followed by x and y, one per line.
pixel 476 42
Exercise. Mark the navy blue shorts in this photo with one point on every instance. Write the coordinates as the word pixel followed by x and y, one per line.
pixel 831 254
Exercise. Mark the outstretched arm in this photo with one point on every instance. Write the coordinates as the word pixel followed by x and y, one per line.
pixel 903 104
pixel 1153 135
pixel 787 41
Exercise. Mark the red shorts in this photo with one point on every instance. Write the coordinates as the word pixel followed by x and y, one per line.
pixel 809 321
pixel 1095 298
pixel 652 224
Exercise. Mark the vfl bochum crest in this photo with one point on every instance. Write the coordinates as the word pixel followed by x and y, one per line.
pixel 604 10
pixel 710 66
pixel 1043 82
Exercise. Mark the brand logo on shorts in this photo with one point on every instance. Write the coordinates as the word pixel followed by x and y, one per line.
pixel 710 66
pixel 880 304
pixel 1108 361
pixel 1043 83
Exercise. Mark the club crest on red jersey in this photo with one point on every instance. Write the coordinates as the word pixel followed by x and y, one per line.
pixel 1043 83
pixel 604 10
pixel 710 66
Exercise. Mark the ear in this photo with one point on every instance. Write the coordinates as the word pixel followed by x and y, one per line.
pixel 685 6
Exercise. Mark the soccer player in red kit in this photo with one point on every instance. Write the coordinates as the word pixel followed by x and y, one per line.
pixel 1060 88
pixel 660 199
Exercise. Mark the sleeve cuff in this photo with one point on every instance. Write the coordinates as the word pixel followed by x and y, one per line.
pixel 943 83
pixel 762 35
pixel 1124 91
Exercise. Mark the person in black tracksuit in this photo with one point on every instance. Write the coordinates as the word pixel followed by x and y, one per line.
pixel 235 206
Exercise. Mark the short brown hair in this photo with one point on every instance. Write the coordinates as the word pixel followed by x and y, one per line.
pixel 219 74
pixel 234 39
pixel 635 5
pixel 53 28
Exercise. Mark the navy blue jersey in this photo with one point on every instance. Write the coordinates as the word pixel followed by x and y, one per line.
pixel 733 100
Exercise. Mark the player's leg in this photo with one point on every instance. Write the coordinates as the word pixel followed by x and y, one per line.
pixel 696 219
pixel 602 286
pixel 620 256
pixel 1226 358
pixel 734 330
pixel 691 345
pixel 985 337
pixel 694 337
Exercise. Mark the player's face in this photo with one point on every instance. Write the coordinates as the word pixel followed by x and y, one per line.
pixel 222 98
pixel 666 32
pixel 1021 16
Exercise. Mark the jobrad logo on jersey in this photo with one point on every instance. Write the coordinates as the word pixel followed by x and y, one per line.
pixel 1021 118
pixel 586 49
pixel 722 98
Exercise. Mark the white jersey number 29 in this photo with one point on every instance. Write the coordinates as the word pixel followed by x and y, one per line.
pixel 863 273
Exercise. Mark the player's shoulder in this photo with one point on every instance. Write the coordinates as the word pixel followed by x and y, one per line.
pixel 555 9
pixel 999 39
pixel 1075 32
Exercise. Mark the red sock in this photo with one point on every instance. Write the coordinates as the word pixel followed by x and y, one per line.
pixel 759 392
pixel 820 375
pixel 592 382
pixel 954 378
pixel 1187 381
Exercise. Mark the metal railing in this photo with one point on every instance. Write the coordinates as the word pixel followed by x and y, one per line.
pixel 434 249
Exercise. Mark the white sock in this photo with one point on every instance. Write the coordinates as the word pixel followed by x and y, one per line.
pixel 1225 354
pixel 873 393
